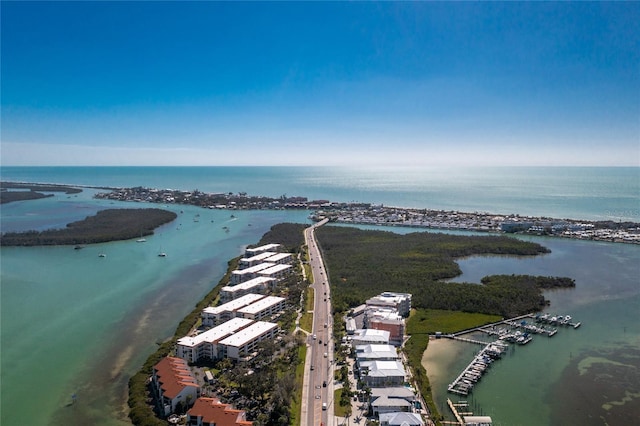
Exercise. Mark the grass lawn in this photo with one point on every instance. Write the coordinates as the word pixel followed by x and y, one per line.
pixel 423 322
pixel 306 320
pixel 296 404
pixel 339 410
pixel 433 320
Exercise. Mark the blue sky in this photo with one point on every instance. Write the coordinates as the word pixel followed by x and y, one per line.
pixel 288 83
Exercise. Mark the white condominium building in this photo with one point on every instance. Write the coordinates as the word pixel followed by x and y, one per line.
pixel 205 345
pixel 277 272
pixel 258 285
pixel 215 315
pixel 236 338
pixel 241 275
pixel 400 301
pixel 243 343
pixel 264 308
pixel 257 250
pixel 247 262
pixel 280 258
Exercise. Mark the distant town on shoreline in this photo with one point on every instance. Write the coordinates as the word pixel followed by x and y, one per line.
pixel 362 213
pixel 378 214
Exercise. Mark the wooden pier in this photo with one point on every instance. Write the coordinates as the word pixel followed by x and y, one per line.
pixel 464 383
pixel 460 416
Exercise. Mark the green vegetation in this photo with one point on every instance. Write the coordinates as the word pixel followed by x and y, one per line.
pixel 430 321
pixel 362 264
pixel 546 283
pixel 306 319
pixel 339 408
pixel 140 412
pixel 296 404
pixel 422 323
pixel 29 191
pixel 290 235
pixel 106 225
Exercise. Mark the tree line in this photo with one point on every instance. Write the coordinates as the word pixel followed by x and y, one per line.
pixel 362 264
pixel 106 225
pixel 29 191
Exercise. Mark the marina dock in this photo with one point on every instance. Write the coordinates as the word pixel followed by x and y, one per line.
pixel 477 367
pixel 465 417
pixel 514 330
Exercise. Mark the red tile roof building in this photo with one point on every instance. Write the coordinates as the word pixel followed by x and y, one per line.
pixel 174 383
pixel 212 412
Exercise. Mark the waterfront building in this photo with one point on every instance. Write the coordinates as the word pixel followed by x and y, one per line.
pixel 386 405
pixel 258 285
pixel 173 384
pixel 402 392
pixel 212 412
pixel 264 308
pixel 365 353
pixel 280 258
pixel 477 421
pixel 242 344
pixel 350 326
pixel 249 252
pixel 401 419
pixel 241 275
pixel 382 373
pixel 205 345
pixel 377 313
pixel 366 336
pixel 400 301
pixel 386 319
pixel 247 262
pixel 276 272
pixel 216 315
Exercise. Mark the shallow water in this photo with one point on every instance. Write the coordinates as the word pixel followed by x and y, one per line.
pixel 76 323
pixel 528 386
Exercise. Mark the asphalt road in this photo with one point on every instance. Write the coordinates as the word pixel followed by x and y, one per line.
pixel 319 381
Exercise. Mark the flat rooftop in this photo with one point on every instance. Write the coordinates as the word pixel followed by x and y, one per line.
pixel 260 305
pixel 248 334
pixel 238 303
pixel 255 268
pixel 266 247
pixel 274 269
pixel 248 285
pixel 216 333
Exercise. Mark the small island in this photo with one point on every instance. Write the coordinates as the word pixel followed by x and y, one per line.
pixel 106 225
pixel 30 191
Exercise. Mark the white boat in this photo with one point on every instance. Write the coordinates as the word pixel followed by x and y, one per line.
pixel 141 240
pixel 102 255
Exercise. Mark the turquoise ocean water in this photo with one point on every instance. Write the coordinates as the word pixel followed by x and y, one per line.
pixel 74 323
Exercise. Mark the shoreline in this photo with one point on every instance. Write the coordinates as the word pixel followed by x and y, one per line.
pixel 380 215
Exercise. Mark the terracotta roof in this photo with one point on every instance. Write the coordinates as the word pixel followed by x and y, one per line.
pixel 211 410
pixel 173 376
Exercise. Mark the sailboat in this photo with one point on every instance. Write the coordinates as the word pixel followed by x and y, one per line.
pixel 161 253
